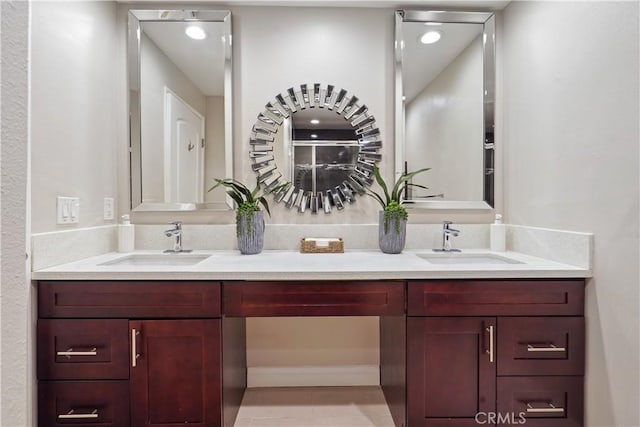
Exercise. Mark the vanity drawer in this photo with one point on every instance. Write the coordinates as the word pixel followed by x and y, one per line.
pixel 362 298
pixel 83 403
pixel 561 297
pixel 543 401
pixel 133 299
pixel 541 346
pixel 83 349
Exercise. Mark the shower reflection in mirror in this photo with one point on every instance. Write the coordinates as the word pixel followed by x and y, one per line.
pixel 444 106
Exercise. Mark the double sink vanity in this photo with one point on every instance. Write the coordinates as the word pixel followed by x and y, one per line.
pixel 150 339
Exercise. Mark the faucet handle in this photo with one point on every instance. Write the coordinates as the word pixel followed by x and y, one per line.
pixel 178 224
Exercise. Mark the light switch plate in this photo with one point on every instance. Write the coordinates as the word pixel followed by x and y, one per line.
pixel 68 210
pixel 108 208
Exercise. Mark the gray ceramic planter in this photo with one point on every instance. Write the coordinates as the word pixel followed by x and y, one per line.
pixel 390 240
pixel 251 233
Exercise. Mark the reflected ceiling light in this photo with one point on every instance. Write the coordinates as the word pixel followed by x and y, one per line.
pixel 313 136
pixel 195 32
pixel 314 121
pixel 430 37
pixel 434 24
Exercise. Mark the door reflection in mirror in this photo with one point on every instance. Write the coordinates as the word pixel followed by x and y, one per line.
pixel 179 108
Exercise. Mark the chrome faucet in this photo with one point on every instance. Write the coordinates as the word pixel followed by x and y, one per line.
pixel 447 232
pixel 177 232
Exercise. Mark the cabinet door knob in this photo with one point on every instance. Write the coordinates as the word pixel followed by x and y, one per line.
pixel 73 415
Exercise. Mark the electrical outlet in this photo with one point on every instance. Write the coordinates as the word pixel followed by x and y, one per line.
pixel 68 210
pixel 108 208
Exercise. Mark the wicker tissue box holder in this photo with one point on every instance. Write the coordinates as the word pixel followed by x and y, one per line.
pixel 314 245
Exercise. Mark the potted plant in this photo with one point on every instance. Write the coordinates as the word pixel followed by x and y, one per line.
pixel 392 220
pixel 249 216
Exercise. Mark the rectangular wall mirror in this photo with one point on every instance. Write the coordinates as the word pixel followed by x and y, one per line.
pixel 444 107
pixel 180 108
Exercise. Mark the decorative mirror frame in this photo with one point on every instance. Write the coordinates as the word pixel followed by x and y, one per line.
pixel 315 96
pixel 135 16
pixel 487 19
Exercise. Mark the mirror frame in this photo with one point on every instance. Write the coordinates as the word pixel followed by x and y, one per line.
pixel 305 96
pixel 135 16
pixel 487 19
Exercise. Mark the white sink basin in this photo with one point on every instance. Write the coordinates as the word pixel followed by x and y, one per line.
pixel 169 259
pixel 465 258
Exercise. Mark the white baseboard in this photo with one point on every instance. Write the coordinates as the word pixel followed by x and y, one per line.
pixel 313 376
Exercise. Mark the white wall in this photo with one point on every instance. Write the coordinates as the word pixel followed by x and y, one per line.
pixel 444 129
pixel 16 363
pixel 571 117
pixel 77 104
pixel 274 49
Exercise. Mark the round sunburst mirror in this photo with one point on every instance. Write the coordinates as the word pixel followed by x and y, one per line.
pixel 314 148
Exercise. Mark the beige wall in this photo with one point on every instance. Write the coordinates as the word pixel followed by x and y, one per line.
pixel 77 104
pixel 571 117
pixel 444 129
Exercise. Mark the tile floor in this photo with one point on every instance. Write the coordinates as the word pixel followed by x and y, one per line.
pixel 314 407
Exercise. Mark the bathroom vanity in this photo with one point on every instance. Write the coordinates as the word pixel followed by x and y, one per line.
pixel 460 344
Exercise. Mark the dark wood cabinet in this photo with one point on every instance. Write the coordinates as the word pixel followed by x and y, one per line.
pixel 161 341
pixel 548 401
pixel 83 403
pixel 173 353
pixel 523 363
pixel 452 370
pixel 175 373
pixel 332 298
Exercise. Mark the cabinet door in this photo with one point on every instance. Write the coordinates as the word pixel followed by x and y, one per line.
pixel 175 373
pixel 451 370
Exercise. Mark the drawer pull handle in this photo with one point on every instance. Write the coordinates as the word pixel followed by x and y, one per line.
pixel 70 352
pixel 532 348
pixel 549 409
pixel 490 349
pixel 78 416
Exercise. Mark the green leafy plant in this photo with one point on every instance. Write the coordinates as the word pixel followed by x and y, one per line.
pixel 391 201
pixel 247 201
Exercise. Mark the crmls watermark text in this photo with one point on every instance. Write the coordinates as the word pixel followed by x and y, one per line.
pixel 500 418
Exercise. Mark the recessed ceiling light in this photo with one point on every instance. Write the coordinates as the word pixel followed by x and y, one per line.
pixel 313 136
pixel 195 32
pixel 314 121
pixel 430 37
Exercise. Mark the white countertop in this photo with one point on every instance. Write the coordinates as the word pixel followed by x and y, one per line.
pixel 291 265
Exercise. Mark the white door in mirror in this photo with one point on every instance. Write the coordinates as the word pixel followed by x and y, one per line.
pixel 184 151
